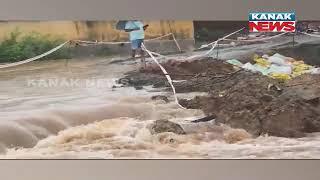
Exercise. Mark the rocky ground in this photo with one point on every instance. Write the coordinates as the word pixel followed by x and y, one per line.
pixel 241 99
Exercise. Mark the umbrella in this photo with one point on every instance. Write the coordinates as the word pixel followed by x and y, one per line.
pixel 121 25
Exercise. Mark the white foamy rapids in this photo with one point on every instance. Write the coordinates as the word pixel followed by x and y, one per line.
pixel 121 138
pixel 131 138
pixel 25 129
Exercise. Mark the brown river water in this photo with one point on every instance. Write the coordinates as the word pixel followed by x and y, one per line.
pixel 88 120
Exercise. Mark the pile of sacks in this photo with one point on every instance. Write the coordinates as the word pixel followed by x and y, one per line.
pixel 277 66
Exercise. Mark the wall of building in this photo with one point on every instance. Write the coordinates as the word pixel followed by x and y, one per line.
pixel 95 30
pixel 208 31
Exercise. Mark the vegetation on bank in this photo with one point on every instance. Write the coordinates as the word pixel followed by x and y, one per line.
pixel 17 46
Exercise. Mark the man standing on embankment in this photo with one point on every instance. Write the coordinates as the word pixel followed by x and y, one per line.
pixel 136 29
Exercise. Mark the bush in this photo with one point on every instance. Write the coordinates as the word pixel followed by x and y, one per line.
pixel 17 47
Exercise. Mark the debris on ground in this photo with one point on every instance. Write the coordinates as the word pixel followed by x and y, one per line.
pixel 277 66
pixel 205 119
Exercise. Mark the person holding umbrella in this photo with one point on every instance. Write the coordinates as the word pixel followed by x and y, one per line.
pixel 136 30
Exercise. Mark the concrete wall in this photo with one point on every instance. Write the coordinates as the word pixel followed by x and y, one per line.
pixel 208 31
pixel 96 30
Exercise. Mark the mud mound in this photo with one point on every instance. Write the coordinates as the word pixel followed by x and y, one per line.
pixel 198 70
pixel 263 106
pixel 246 100
pixel 187 67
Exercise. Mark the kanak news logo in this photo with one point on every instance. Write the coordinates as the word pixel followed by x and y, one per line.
pixel 272 22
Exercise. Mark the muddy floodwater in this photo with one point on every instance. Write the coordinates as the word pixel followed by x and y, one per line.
pixel 70 109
